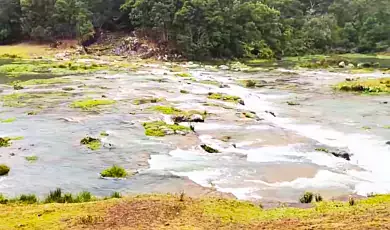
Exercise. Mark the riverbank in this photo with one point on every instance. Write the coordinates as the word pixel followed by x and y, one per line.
pixel 182 212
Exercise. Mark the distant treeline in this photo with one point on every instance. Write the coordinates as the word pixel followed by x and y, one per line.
pixel 209 28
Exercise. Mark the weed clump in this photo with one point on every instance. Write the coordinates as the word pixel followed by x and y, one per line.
pixel 318 197
pixel 5 142
pixel 115 172
pixel 306 198
pixel 4 169
pixel 116 195
pixel 57 196
pixel 27 199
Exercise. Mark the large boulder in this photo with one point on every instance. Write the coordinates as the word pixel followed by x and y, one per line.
pixel 342 64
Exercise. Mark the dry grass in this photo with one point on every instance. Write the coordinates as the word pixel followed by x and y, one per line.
pixel 170 212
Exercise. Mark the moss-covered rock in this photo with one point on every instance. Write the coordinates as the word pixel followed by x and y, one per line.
pixel 91 143
pixel 224 97
pixel 209 149
pixel 4 169
pixel 89 104
pixel 5 141
pixel 160 129
pixel 379 85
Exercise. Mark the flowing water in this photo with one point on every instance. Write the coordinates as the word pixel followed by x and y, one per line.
pixel 272 157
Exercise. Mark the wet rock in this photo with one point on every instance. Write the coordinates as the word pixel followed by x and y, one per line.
pixel 388 143
pixel 342 64
pixel 104 96
pixel 384 102
pixel 270 112
pixel 183 133
pixel 349 79
pixel 364 65
pixel 224 86
pixel 351 66
pixel 344 155
pixel 185 118
pixel 196 118
pixel 12 154
pixel 209 149
pixel 241 102
pixel 223 67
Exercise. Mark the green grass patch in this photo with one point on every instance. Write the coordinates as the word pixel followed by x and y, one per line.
pixel 209 82
pixel 4 169
pixel 26 99
pixel 5 142
pixel 89 104
pixel 91 143
pixel 160 128
pixel 379 85
pixel 114 171
pixel 44 81
pixel 31 158
pixel 223 97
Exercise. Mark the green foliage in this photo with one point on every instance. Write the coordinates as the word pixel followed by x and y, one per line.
pixel 27 199
pixel 4 169
pixel 5 142
pixel 306 198
pixel 114 171
pixel 379 85
pixel 318 197
pixel 8 120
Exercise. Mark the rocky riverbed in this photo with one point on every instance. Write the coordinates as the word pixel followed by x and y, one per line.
pixel 269 134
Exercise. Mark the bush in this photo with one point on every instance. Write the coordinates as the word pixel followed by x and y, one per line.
pixel 3 200
pixel 306 198
pixel 4 170
pixel 114 171
pixel 55 196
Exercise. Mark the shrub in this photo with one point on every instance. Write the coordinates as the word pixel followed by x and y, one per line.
pixel 306 198
pixel 55 196
pixel 114 171
pixel 3 200
pixel 4 170
pixel 5 142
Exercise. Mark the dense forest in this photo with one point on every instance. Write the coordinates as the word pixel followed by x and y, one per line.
pixel 209 28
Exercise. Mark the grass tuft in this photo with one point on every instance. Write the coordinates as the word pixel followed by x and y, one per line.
pixel 91 143
pixel 89 104
pixel 31 158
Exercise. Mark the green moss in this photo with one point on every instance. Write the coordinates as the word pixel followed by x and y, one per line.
pixel 89 104
pixel 223 97
pixel 45 81
pixel 114 171
pixel 104 134
pixel 366 127
pixel 27 99
pixel 159 128
pixel 31 158
pixel 167 110
pixel 292 103
pixel 379 85
pixel 91 143
pixel 322 150
pixel 32 113
pixel 5 142
pixel 183 75
pixel 184 91
pixel 386 127
pixel 4 169
pixel 142 101
pixel 8 120
pixel 68 89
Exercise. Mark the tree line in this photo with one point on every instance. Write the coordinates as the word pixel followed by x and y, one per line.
pixel 209 28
